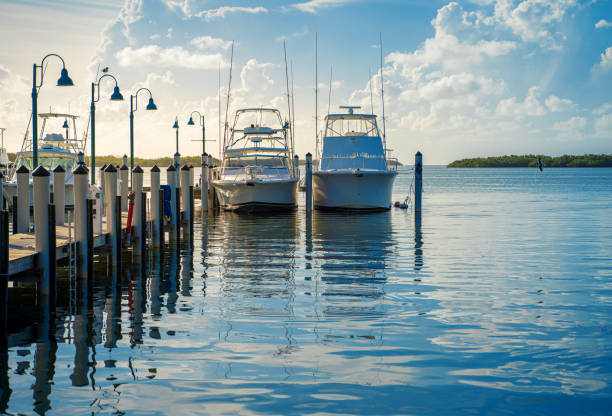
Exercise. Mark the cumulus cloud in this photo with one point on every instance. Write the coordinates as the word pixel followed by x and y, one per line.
pixel 530 106
pixel 313 6
pixel 210 43
pixel 603 24
pixel 221 12
pixel 556 104
pixel 572 129
pixel 534 21
pixel 605 63
pixel 174 56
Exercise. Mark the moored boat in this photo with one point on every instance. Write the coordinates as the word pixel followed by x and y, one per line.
pixel 353 170
pixel 257 171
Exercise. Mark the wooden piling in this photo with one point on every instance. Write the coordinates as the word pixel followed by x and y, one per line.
pixel 137 220
pixel 418 181
pixel 124 186
pixel 52 253
pixel 41 178
pixel 308 182
pixel 110 182
pixel 171 181
pixel 80 187
pixel 204 185
pixel 155 202
pixel 185 204
pixel 59 194
pixel 23 199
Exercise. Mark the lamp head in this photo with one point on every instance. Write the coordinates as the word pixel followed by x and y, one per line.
pixel 175 126
pixel 64 80
pixel 65 125
pixel 190 122
pixel 116 95
pixel 151 105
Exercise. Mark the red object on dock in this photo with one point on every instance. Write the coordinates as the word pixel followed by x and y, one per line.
pixel 129 218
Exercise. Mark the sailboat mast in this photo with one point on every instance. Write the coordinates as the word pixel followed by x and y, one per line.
pixel 219 102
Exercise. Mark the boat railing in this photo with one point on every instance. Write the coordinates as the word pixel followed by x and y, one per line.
pixel 253 172
pixel 359 161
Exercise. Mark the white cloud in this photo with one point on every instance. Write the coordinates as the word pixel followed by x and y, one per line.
pixel 221 12
pixel 556 104
pixel 297 34
pixel 604 108
pixel 169 33
pixel 606 60
pixel 603 24
pixel 174 56
pixel 210 43
pixel 531 106
pixel 534 21
pixel 313 6
pixel 572 129
pixel 603 126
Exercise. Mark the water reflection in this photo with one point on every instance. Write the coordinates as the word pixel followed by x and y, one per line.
pixel 352 254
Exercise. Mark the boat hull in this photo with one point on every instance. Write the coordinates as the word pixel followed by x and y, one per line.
pixel 353 190
pixel 256 196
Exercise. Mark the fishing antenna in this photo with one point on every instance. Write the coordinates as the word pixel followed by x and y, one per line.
pixel 382 94
pixel 219 102
pixel 292 111
pixel 316 95
pixel 371 94
pixel 331 77
pixel 229 89
pixel 288 92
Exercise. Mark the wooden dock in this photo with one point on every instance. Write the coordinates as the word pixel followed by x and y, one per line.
pixel 22 247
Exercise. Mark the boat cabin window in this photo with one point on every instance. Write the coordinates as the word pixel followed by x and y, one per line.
pixel 253 160
pixel 351 126
pixel 49 163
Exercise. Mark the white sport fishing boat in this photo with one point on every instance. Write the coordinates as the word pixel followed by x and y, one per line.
pixel 55 149
pixel 257 172
pixel 353 170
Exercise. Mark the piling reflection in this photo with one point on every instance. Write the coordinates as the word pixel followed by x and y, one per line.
pixel 418 242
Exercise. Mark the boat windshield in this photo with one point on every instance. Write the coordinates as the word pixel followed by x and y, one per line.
pixel 351 125
pixel 266 161
pixel 50 163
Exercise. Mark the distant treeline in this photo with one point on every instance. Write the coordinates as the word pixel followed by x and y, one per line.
pixel 528 161
pixel 118 160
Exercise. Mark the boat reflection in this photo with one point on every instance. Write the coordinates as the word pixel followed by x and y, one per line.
pixel 352 252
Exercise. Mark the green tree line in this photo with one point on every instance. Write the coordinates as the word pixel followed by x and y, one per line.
pixel 138 161
pixel 527 161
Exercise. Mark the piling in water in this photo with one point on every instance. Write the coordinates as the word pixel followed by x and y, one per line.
pixel 185 203
pixel 418 181
pixel 308 181
pixel 124 186
pixel 41 178
pixel 137 220
pixel 59 193
pixel 23 199
pixel 204 185
pixel 155 203
pixel 80 218
pixel 110 182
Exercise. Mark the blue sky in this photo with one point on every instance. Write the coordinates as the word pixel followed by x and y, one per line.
pixel 465 78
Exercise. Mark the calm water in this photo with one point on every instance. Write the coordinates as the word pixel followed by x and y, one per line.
pixel 499 302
